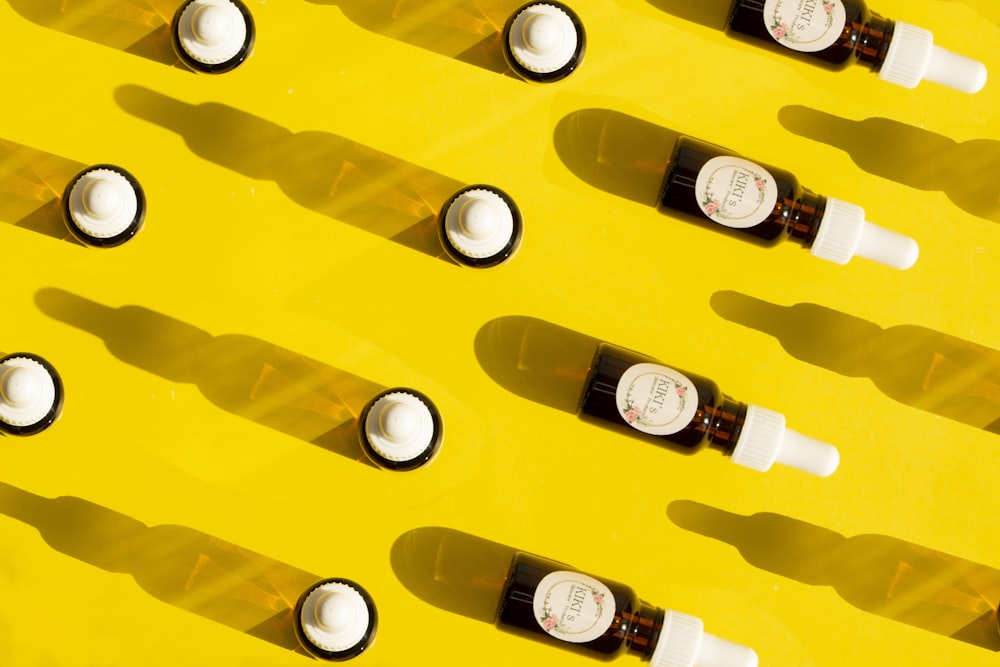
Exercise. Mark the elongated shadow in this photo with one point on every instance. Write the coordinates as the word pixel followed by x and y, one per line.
pixel 914 365
pixel 535 359
pixel 615 152
pixel 245 376
pixel 323 172
pixel 964 171
pixel 879 574
pixel 31 187
pixel 139 27
pixel 181 566
pixel 451 570
pixel 709 13
pixel 465 30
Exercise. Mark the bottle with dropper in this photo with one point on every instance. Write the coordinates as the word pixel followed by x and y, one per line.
pixel 544 41
pixel 839 33
pixel 766 205
pixel 550 602
pixel 637 396
pixel 213 36
pixel 31 394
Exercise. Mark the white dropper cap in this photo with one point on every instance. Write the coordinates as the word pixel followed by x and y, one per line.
pixel 912 57
pixel 102 203
pixel 335 617
pixel 479 223
pixel 543 38
pixel 399 427
pixel 27 391
pixel 212 31
pixel 683 642
pixel 844 232
pixel 764 441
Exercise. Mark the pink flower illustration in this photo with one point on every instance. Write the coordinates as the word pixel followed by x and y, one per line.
pixel 780 31
pixel 682 391
pixel 598 598
pixel 631 415
pixel 549 622
pixel 828 7
pixel 711 207
pixel 760 183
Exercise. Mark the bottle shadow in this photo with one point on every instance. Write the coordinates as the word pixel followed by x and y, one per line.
pixel 31 188
pixel 181 566
pixel 916 366
pixel 964 171
pixel 322 172
pixel 451 570
pixel 139 27
pixel 245 376
pixel 709 13
pixel 464 30
pixel 614 152
pixel 878 574
pixel 537 360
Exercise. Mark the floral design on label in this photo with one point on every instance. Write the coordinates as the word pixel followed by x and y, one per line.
pixel 573 607
pixel 805 25
pixel 735 192
pixel 655 399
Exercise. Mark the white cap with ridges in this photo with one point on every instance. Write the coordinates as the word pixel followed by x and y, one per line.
pixel 764 441
pixel 102 203
pixel 683 642
pixel 844 233
pixel 913 57
pixel 399 426
pixel 479 223
pixel 543 38
pixel 212 31
pixel 335 617
pixel 27 391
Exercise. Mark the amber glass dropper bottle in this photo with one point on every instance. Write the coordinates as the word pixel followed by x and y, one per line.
pixel 838 33
pixel 637 396
pixel 553 603
pixel 714 187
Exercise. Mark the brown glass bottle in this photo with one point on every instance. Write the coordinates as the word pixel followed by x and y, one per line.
pixel 717 422
pixel 796 215
pixel 634 626
pixel 864 39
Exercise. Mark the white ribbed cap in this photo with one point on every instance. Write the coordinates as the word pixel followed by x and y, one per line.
pixel 912 57
pixel 399 426
pixel 844 232
pixel 543 38
pixel 27 391
pixel 683 642
pixel 335 617
pixel 765 441
pixel 212 31
pixel 479 223
pixel 102 203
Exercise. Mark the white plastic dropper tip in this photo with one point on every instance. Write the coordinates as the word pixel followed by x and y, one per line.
pixel 718 652
pixel 398 421
pixel 887 247
pixel 808 454
pixel 211 25
pixel 955 71
pixel 334 612
pixel 542 33
pixel 102 199
pixel 20 387
pixel 478 218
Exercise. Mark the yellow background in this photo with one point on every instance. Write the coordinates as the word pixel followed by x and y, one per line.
pixel 189 512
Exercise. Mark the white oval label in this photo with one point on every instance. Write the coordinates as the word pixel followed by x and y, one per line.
pixel 573 607
pixel 655 399
pixel 805 25
pixel 735 192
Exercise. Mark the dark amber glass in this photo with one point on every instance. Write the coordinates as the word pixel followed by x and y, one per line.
pixel 864 39
pixel 718 419
pixel 635 627
pixel 796 215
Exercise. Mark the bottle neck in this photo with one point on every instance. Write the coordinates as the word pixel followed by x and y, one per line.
pixel 803 216
pixel 644 627
pixel 873 40
pixel 725 423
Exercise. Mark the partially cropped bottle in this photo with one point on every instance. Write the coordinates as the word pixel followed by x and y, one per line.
pixel 712 186
pixel 553 603
pixel 839 33
pixel 638 396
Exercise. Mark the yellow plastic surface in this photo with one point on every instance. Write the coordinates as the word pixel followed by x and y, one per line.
pixel 205 469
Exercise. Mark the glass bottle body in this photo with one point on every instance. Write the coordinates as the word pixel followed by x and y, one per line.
pixel 863 37
pixel 624 389
pixel 795 214
pixel 534 607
